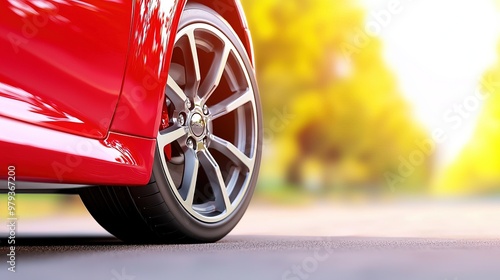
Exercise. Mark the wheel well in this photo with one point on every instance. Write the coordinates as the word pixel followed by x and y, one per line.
pixel 232 12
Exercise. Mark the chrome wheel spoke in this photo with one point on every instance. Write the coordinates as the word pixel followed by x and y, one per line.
pixel 175 93
pixel 216 71
pixel 169 135
pixel 193 73
pixel 232 152
pixel 216 181
pixel 232 103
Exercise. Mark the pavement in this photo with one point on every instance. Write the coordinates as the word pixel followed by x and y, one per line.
pixel 385 240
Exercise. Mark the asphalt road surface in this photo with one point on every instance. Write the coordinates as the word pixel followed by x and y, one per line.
pixel 416 240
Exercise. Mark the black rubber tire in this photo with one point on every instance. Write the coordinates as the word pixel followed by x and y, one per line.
pixel 152 214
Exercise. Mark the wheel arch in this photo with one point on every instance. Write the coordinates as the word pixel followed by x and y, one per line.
pixel 150 51
pixel 154 25
pixel 139 107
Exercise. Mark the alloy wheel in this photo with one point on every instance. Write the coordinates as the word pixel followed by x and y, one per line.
pixel 208 149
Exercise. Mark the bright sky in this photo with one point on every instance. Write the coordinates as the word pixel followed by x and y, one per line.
pixel 439 50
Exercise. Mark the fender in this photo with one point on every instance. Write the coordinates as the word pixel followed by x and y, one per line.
pixel 153 33
pixel 125 156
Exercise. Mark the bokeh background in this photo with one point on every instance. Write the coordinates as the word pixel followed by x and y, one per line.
pixel 379 98
pixel 370 100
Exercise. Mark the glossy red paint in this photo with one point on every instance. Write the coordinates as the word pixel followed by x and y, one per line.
pixel 154 26
pixel 62 62
pixel 82 86
pixel 45 155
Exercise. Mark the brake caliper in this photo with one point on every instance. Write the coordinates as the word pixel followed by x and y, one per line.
pixel 164 125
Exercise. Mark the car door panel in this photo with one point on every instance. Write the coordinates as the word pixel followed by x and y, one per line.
pixel 62 62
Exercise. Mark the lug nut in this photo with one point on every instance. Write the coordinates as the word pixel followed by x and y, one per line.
pixel 190 143
pixel 189 105
pixel 205 110
pixel 181 120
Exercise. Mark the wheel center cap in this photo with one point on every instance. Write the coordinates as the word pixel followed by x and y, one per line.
pixel 197 125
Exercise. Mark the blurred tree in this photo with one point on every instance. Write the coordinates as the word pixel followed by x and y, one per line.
pixel 477 169
pixel 346 122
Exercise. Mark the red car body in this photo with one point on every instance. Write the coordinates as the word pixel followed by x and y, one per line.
pixel 82 83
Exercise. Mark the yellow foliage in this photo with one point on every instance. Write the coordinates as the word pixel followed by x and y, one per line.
pixel 349 125
pixel 477 169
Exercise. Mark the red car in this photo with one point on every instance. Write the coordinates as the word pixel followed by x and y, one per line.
pixel 148 109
